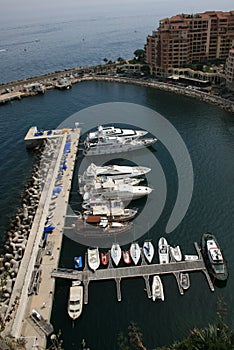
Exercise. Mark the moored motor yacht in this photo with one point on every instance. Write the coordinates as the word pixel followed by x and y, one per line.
pixel 110 145
pixel 75 302
pixel 175 253
pixel 93 258
pixel 148 250
pixel 163 251
pixel 213 256
pixel 114 171
pixel 157 288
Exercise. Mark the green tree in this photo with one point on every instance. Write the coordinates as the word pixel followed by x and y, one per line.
pixel 139 55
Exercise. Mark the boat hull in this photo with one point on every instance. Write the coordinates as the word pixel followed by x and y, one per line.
pixel 116 253
pixel 163 251
pixel 75 302
pixel 118 147
pixel 148 250
pixel 135 252
pixel 93 258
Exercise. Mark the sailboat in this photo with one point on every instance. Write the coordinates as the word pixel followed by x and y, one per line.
pixel 135 252
pixel 148 250
pixel 116 253
pixel 163 251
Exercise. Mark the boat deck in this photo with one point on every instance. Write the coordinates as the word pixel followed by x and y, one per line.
pixel 144 270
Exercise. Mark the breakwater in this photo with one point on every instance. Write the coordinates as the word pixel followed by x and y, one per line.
pixel 64 79
pixel 20 227
pixel 34 242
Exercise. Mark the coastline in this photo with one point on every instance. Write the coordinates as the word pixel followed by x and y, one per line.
pixel 90 73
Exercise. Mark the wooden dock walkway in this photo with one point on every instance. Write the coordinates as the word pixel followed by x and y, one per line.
pixel 144 270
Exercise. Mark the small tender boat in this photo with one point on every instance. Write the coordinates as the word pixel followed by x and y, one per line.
pixel 157 288
pixel 78 262
pixel 175 253
pixel 211 251
pixel 75 302
pixel 148 250
pixel 163 251
pixel 116 253
pixel 190 257
pixel 135 252
pixel 184 280
pixel 93 258
pixel 104 258
pixel 126 257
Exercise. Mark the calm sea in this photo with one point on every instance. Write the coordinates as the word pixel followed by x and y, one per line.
pixel 208 134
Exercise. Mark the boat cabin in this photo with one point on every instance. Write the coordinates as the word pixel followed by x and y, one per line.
pixel 214 251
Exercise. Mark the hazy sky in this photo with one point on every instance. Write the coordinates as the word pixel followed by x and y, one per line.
pixel 30 10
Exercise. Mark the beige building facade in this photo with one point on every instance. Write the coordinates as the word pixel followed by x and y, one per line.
pixel 230 70
pixel 184 39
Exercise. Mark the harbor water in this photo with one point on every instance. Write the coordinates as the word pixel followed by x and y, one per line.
pixel 208 134
pixel 36 42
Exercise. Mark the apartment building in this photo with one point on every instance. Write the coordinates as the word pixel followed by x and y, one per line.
pixel 230 70
pixel 184 39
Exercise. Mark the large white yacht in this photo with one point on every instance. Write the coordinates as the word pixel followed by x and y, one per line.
pixel 163 251
pixel 75 302
pixel 113 209
pixel 103 131
pixel 121 191
pixel 157 288
pixel 113 144
pixel 115 171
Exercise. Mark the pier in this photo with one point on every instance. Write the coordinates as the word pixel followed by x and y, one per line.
pixel 144 270
pixel 34 288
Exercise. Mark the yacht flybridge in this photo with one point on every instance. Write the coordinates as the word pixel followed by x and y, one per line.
pixel 103 131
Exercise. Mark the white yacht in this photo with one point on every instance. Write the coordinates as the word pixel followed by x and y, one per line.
pixel 103 182
pixel 121 191
pixel 175 253
pixel 116 253
pixel 115 171
pixel 148 250
pixel 157 288
pixel 93 258
pixel 113 209
pixel 135 252
pixel 163 251
pixel 112 144
pixel 75 302
pixel 103 131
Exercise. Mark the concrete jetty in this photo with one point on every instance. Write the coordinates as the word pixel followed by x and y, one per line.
pixel 42 252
